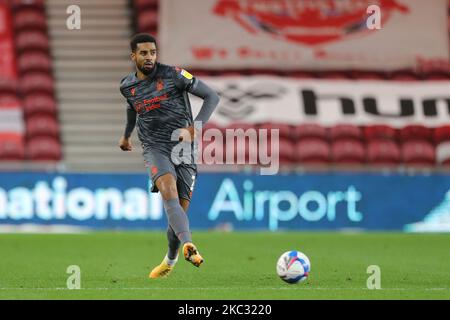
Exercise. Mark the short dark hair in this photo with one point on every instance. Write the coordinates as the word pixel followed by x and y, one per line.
pixel 141 38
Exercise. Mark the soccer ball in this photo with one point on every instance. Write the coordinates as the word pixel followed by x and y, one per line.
pixel 293 267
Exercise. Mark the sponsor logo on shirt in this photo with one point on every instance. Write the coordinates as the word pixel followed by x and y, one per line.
pixel 149 104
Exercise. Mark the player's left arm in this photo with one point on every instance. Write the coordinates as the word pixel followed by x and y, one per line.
pixel 185 81
pixel 210 99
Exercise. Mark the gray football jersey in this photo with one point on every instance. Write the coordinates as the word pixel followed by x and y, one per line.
pixel 161 103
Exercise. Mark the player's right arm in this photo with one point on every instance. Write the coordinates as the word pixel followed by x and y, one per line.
pixel 124 142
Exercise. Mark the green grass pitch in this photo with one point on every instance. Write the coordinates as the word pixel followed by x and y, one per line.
pixel 239 265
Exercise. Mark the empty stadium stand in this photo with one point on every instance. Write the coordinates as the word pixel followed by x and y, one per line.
pixel 30 90
pixel 89 64
pixel 64 103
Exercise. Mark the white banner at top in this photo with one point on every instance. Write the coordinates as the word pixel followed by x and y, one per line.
pixel 260 99
pixel 302 34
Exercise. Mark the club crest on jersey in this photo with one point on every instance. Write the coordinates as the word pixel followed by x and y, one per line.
pixel 159 84
pixel 133 91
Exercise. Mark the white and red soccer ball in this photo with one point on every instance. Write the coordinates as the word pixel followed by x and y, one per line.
pixel 293 267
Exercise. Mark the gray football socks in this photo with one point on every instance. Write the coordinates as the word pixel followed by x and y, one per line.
pixel 178 220
pixel 174 244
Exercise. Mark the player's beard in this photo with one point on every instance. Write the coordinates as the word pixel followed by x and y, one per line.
pixel 146 71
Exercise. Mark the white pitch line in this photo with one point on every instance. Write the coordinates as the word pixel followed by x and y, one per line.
pixel 226 288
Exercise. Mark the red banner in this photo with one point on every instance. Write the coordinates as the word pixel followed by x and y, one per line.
pixel 7 56
pixel 303 34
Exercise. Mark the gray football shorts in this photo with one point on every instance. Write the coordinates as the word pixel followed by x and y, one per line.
pixel 158 164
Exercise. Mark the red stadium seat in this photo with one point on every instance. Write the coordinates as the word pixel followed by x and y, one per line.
pixel 334 75
pixel 232 73
pixel 217 148
pixel 42 126
pixel 304 131
pixel 442 134
pixel 22 4
pixel 285 146
pixel 415 132
pixel 381 131
pixel 8 86
pixel 345 131
pixel 437 77
pixel 43 148
pixel 286 150
pixel 284 130
pixel 200 73
pixel 34 61
pixel 9 99
pixel 32 40
pixel 383 152
pixel 235 149
pixel 39 104
pixel 348 151
pixel 404 76
pixel 37 82
pixel 312 151
pixel 443 153
pixel 147 21
pixel 266 72
pixel 145 4
pixel 213 149
pixel 11 147
pixel 211 125
pixel 240 125
pixel 301 75
pixel 30 19
pixel 418 153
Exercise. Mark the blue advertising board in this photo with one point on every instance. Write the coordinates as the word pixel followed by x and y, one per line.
pixel 319 201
